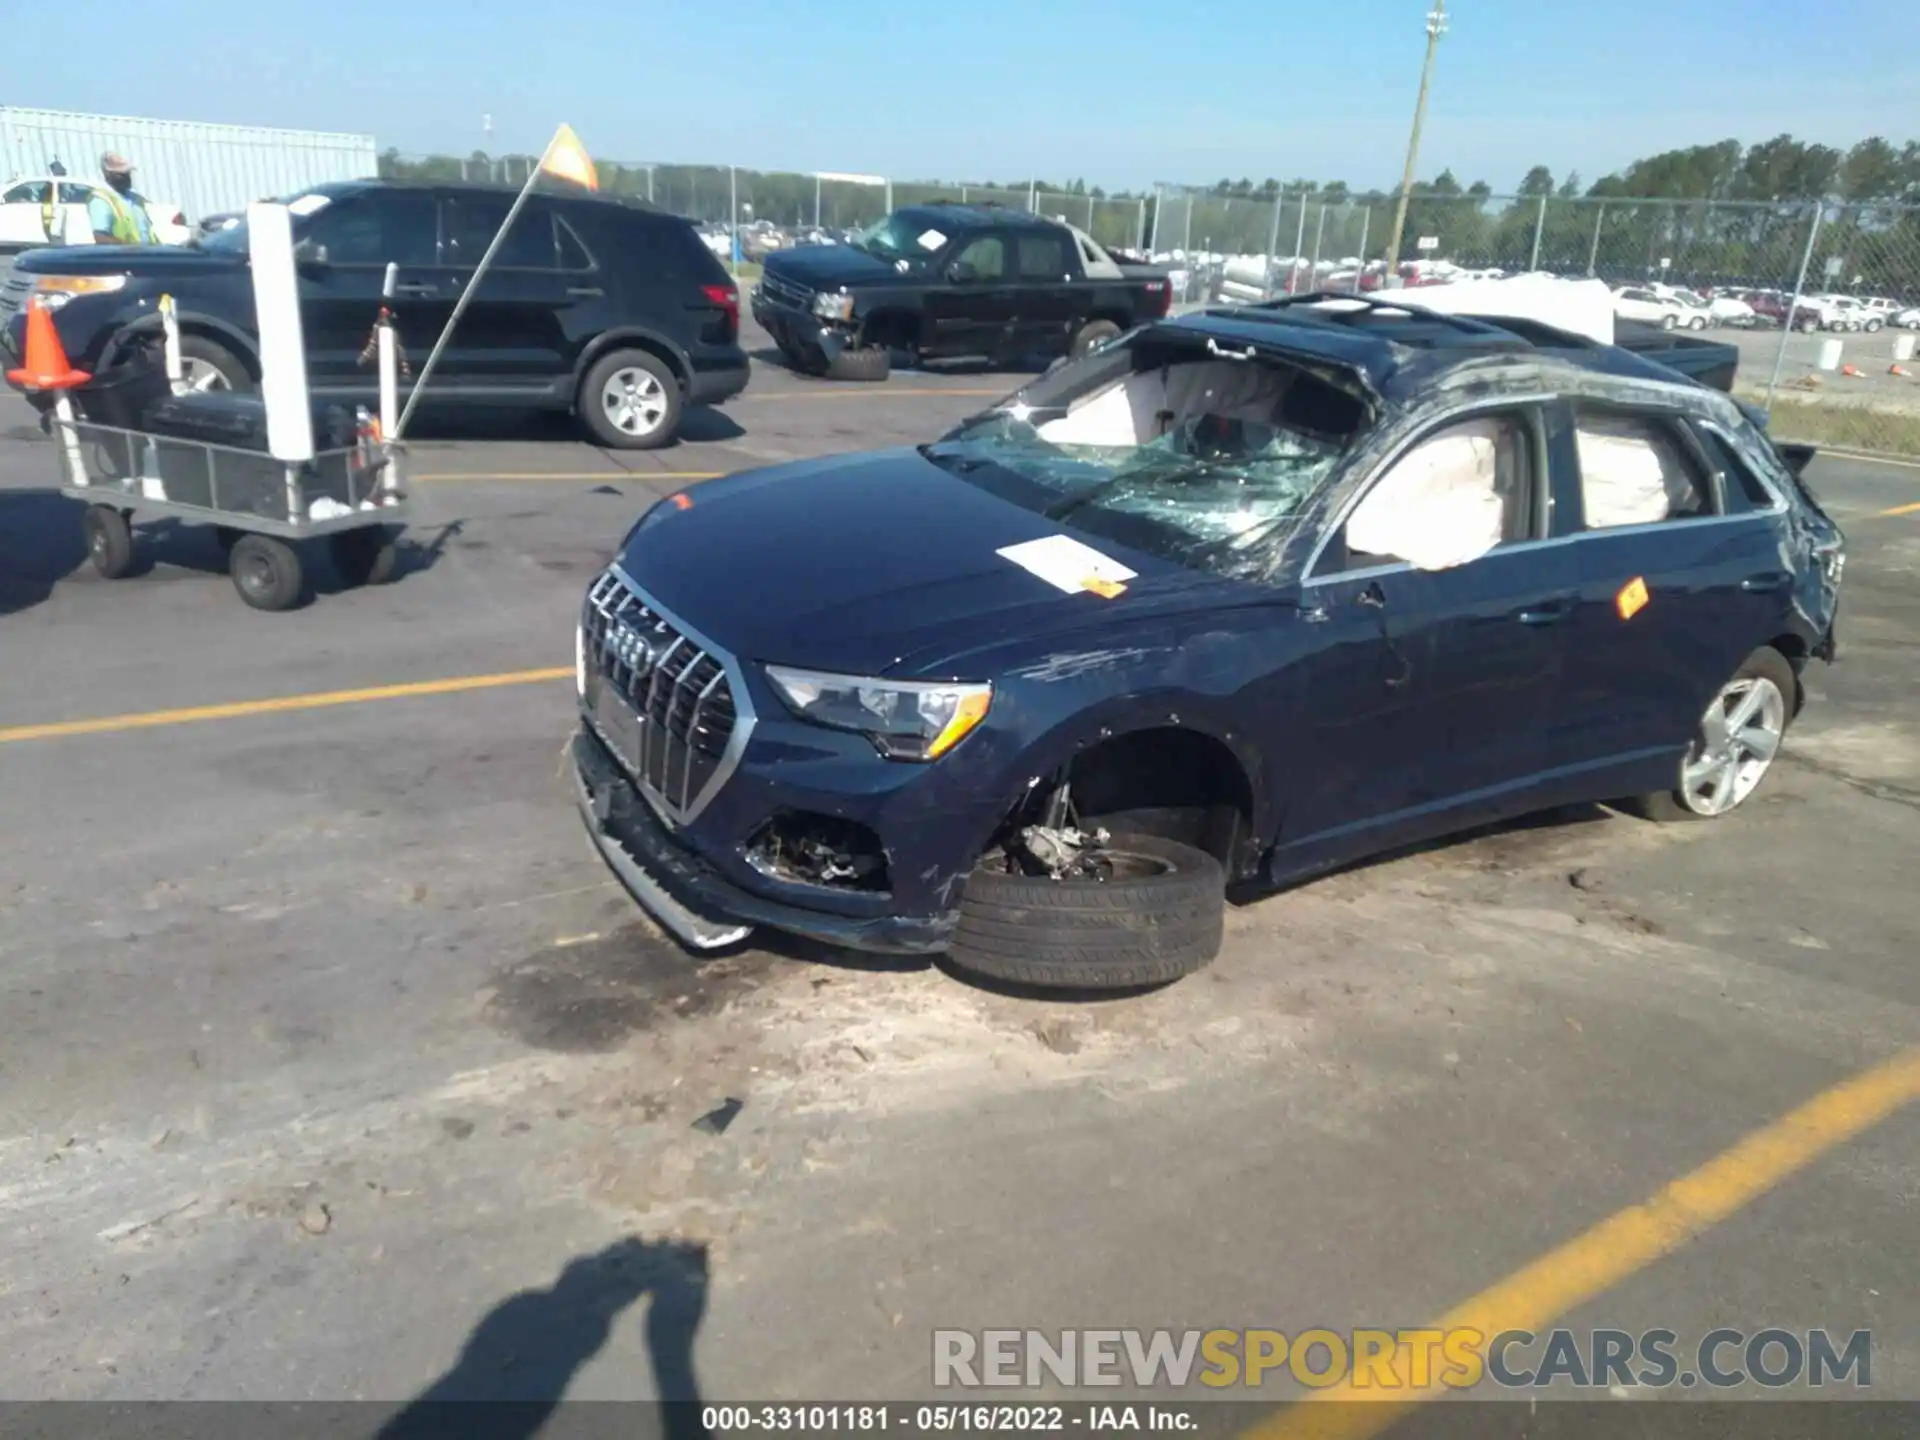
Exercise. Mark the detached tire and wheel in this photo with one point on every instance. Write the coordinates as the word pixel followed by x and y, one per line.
pixel 868 364
pixel 206 366
pixel 266 572
pixel 109 537
pixel 1160 916
pixel 1735 745
pixel 631 400
pixel 1090 336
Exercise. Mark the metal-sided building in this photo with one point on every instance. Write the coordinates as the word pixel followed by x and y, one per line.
pixel 204 169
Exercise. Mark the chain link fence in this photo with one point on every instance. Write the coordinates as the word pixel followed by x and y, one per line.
pixel 1822 300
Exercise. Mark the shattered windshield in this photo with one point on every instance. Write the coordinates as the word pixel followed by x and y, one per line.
pixel 903 235
pixel 1206 463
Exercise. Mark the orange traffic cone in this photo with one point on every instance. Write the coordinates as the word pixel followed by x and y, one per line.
pixel 46 366
pixel 1898 369
pixel 1853 372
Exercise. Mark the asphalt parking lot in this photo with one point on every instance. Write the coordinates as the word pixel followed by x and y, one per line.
pixel 330 1046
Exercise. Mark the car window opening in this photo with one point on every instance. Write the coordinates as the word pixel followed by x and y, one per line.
pixel 1634 471
pixel 1166 448
pixel 1449 500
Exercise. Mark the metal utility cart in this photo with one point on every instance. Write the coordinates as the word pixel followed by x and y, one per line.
pixel 261 508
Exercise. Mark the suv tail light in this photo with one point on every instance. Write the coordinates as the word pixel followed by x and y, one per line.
pixel 727 297
pixel 1164 291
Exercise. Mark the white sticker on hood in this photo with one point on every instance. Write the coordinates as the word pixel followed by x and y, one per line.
pixel 304 205
pixel 1070 566
pixel 931 239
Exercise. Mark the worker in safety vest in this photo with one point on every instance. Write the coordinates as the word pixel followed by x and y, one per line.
pixel 118 214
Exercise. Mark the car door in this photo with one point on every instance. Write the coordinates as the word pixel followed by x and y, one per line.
pixel 23 215
pixel 344 248
pixel 74 217
pixel 512 335
pixel 1680 578
pixel 1640 305
pixel 1045 295
pixel 971 305
pixel 1426 704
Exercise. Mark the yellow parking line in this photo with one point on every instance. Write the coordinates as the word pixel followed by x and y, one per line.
pixel 234 710
pixel 1899 510
pixel 568 475
pixel 1869 457
pixel 1625 1243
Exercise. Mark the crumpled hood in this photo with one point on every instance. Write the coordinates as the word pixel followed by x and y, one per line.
pixel 827 267
pixel 880 563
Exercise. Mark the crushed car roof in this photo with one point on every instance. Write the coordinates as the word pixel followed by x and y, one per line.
pixel 1396 346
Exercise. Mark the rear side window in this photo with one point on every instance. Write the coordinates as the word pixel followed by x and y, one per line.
pixel 473 221
pixel 573 251
pixel 393 227
pixel 1743 489
pixel 1041 257
pixel 1636 470
pixel 28 192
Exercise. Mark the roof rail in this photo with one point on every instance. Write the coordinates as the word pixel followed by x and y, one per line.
pixel 1466 324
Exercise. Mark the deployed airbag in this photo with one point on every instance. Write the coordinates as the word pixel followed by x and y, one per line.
pixel 1438 507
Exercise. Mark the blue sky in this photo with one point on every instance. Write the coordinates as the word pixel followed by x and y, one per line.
pixel 1122 92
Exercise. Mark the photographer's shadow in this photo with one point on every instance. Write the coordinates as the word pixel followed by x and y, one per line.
pixel 516 1366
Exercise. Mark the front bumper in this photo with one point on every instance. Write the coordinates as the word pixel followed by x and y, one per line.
pixel 692 899
pixel 795 329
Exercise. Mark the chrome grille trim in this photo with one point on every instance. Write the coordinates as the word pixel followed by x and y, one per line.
pixel 786 292
pixel 688 679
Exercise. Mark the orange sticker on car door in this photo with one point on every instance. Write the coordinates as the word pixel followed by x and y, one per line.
pixel 1632 598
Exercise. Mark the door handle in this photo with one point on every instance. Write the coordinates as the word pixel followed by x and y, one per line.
pixel 584 292
pixel 415 287
pixel 1766 582
pixel 1544 612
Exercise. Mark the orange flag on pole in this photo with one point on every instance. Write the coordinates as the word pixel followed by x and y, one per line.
pixel 567 158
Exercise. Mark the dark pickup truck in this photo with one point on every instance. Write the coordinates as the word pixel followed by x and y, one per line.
pixel 942 281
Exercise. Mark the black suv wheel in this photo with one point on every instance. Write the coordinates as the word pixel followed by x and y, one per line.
pixel 631 400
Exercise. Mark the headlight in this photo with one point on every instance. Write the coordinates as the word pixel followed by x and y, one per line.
pixel 833 307
pixel 56 290
pixel 906 719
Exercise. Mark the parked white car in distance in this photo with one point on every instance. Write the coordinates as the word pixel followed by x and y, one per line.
pixel 24 215
pixel 1632 302
pixel 1731 310
pixel 1908 319
pixel 1843 312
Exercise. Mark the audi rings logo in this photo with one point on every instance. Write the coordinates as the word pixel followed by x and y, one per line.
pixel 632 649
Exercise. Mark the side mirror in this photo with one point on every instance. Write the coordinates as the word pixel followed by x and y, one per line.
pixel 960 272
pixel 310 255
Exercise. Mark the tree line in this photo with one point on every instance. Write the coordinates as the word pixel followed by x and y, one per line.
pixel 1724 213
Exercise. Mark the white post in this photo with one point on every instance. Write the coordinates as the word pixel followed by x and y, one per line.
pixel 1366 223
pixel 283 352
pixel 467 294
pixel 170 333
pixel 388 357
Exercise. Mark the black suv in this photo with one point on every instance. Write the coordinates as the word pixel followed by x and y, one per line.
pixel 594 304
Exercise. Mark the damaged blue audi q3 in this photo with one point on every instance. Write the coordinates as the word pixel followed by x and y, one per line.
pixel 1236 598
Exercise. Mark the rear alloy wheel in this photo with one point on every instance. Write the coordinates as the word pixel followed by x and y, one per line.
pixel 1158 913
pixel 1873 326
pixel 1739 736
pixel 631 400
pixel 1668 322
pixel 1698 322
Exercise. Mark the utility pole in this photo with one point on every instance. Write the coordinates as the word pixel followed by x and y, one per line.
pixel 1436 27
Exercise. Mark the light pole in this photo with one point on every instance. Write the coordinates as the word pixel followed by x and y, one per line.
pixel 1436 27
